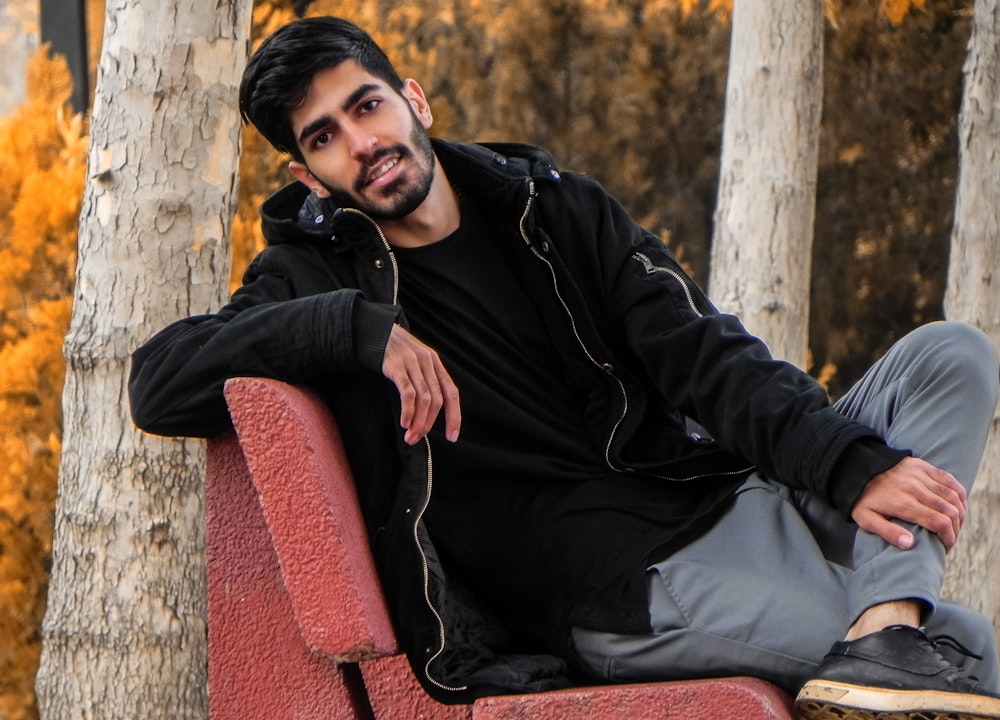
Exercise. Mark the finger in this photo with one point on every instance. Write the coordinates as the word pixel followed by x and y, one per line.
pixel 435 389
pixel 394 367
pixel 945 495
pixel 911 492
pixel 885 529
pixel 929 511
pixel 452 406
pixel 941 524
pixel 951 489
pixel 427 404
pixel 415 395
pixel 925 495
pixel 407 397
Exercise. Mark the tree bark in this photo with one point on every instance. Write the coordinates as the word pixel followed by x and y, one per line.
pixel 762 241
pixel 973 294
pixel 124 632
pixel 18 40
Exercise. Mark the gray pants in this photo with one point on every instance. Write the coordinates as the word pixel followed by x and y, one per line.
pixel 782 575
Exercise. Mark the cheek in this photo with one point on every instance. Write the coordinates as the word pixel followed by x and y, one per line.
pixel 334 172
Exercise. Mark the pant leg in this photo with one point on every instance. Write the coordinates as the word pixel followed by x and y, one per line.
pixel 758 594
pixel 934 393
pixel 754 595
pixel 976 633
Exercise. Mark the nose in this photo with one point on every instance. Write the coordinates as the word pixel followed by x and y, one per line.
pixel 360 142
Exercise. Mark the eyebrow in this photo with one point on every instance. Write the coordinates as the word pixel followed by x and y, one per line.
pixel 324 120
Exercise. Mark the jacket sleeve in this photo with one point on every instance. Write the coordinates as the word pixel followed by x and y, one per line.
pixel 177 377
pixel 710 368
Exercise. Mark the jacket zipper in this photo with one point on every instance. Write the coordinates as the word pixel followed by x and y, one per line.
pixel 418 516
pixel 607 368
pixel 427 582
pixel 653 268
pixel 386 246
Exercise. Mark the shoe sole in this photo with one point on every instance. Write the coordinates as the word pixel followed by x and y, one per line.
pixel 825 700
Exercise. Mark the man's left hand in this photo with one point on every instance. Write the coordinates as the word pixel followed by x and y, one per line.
pixel 912 491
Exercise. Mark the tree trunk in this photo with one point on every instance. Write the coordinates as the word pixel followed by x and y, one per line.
pixel 762 241
pixel 973 294
pixel 18 39
pixel 124 632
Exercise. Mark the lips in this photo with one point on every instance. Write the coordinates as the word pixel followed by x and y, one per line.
pixel 381 170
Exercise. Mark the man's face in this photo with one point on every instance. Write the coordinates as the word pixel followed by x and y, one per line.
pixel 363 143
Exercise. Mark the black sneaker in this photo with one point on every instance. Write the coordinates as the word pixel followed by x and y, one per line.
pixel 896 674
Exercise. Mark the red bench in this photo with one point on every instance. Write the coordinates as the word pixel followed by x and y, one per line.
pixel 298 627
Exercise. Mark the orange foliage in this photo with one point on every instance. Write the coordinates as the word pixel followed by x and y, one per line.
pixel 895 10
pixel 262 170
pixel 41 182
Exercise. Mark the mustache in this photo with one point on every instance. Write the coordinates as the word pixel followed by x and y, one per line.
pixel 374 160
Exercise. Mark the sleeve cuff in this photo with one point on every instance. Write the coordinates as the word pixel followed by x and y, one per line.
pixel 858 464
pixel 372 323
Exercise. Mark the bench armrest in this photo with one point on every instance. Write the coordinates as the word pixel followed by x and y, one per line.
pixel 299 468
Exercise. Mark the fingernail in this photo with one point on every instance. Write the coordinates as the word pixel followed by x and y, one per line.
pixel 906 542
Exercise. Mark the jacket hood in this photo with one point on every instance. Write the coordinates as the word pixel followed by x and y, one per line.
pixel 295 214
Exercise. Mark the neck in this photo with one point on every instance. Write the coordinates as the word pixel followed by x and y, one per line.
pixel 437 217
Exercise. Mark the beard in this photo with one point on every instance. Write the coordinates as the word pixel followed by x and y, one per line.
pixel 402 196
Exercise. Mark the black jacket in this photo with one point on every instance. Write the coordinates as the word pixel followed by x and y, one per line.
pixel 642 344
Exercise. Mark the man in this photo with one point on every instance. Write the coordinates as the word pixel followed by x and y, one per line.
pixel 571 465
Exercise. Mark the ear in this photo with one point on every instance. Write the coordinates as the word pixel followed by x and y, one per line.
pixel 418 101
pixel 301 172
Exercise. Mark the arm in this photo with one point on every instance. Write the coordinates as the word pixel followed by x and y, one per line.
pixel 267 330
pixel 777 416
pixel 708 367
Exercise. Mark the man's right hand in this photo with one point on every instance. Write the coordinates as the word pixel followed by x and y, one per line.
pixel 424 386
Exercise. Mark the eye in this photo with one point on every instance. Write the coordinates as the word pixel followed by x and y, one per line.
pixel 321 139
pixel 368 106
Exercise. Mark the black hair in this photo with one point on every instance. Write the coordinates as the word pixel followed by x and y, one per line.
pixel 278 75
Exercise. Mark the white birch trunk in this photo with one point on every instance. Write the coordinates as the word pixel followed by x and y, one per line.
pixel 973 295
pixel 762 241
pixel 124 632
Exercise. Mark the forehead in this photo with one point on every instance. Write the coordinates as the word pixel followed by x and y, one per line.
pixel 330 91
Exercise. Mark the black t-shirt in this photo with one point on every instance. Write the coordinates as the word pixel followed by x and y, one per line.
pixel 524 505
pixel 520 419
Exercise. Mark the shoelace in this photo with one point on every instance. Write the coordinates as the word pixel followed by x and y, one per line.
pixel 953 643
pixel 946 640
